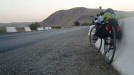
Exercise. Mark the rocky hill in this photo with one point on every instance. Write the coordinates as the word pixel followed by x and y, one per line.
pixel 67 18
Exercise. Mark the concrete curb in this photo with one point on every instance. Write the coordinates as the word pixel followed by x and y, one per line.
pixel 124 55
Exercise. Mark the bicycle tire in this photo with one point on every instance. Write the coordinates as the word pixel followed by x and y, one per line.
pixel 113 36
pixel 93 44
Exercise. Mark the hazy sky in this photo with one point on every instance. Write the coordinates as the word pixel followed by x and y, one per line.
pixel 38 10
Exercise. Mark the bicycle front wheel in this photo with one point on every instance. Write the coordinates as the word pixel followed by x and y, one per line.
pixel 93 40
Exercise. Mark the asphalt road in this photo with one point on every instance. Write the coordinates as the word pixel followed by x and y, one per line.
pixel 54 52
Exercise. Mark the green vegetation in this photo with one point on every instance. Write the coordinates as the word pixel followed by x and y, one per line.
pixel 86 24
pixel 2 29
pixel 76 23
pixel 82 24
pixel 56 27
pixel 34 26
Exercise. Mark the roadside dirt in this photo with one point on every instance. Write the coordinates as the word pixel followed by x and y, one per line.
pixel 65 54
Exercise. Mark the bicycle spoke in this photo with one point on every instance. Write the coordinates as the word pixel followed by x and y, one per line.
pixel 110 46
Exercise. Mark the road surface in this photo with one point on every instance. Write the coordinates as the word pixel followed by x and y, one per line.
pixel 53 52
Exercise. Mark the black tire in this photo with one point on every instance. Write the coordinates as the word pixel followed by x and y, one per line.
pixel 110 46
pixel 92 42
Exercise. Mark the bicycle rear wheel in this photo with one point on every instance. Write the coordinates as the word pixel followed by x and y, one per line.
pixel 93 41
pixel 110 46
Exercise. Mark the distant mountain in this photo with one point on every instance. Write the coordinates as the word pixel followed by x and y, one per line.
pixel 15 24
pixel 67 18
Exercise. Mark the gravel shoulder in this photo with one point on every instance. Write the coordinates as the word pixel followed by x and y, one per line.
pixel 64 54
